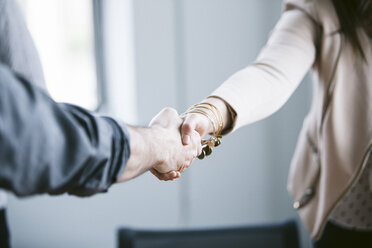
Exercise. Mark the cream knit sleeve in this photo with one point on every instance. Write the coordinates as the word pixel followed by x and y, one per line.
pixel 260 89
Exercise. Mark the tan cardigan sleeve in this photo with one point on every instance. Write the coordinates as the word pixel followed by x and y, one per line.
pixel 264 86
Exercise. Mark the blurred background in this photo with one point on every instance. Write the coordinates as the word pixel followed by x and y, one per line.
pixel 131 58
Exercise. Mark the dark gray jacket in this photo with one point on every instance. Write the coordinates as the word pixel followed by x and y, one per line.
pixel 49 147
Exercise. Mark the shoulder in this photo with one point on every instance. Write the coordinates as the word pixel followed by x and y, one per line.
pixel 320 11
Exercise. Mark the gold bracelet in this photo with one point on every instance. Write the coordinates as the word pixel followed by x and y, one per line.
pixel 215 121
pixel 218 114
pixel 200 111
pixel 215 139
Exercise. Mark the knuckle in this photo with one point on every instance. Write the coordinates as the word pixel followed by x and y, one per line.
pixel 186 127
pixel 186 165
pixel 170 111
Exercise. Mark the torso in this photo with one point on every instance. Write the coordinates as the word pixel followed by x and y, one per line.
pixel 354 211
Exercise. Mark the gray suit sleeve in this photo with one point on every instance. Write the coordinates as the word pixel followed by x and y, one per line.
pixel 49 147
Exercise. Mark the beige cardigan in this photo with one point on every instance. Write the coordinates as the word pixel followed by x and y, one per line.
pixel 335 140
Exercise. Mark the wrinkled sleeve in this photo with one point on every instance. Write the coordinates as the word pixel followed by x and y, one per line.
pixel 54 148
pixel 260 89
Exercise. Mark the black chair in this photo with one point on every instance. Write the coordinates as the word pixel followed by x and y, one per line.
pixel 4 231
pixel 281 235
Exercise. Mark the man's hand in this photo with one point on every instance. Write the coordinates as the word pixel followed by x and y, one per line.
pixel 159 148
pixel 174 157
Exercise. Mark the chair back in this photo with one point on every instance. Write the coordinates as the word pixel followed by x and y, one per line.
pixel 281 235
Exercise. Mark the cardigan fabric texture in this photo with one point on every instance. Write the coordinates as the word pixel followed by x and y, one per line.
pixel 336 138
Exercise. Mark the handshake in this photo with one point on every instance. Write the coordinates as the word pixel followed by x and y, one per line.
pixel 170 143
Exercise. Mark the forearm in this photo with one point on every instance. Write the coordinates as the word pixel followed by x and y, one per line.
pixel 48 147
pixel 263 87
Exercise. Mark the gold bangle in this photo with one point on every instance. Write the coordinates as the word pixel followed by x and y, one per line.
pixel 215 119
pixel 215 139
pixel 199 111
pixel 215 122
pixel 218 115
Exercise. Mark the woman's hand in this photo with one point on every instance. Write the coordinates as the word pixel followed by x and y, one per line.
pixel 200 123
pixel 194 122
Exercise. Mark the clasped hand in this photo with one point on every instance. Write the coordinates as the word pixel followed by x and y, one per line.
pixel 161 148
pixel 190 128
pixel 174 156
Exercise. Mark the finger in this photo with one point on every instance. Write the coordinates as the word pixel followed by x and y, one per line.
pixel 165 176
pixel 200 150
pixel 183 167
pixel 157 174
pixel 189 163
pixel 196 142
pixel 174 175
pixel 187 128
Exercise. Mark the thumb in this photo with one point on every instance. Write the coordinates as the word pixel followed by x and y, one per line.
pixel 188 126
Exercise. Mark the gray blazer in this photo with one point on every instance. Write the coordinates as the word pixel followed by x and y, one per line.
pixel 45 146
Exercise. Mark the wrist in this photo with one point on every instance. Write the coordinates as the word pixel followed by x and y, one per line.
pixel 208 123
pixel 141 152
pixel 222 107
pixel 208 116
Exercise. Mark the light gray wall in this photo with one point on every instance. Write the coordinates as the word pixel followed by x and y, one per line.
pixel 184 49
